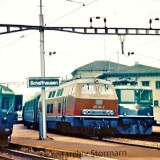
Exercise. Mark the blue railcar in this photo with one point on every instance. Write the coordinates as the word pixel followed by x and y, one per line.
pixel 7 114
pixel 30 112
pixel 135 109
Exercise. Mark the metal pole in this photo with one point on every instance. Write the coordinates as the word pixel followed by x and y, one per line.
pixel 43 115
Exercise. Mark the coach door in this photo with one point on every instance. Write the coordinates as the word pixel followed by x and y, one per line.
pixel 64 104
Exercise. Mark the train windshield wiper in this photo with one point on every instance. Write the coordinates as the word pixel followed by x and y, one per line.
pixel 9 109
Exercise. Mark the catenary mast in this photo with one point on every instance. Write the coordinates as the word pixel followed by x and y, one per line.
pixel 42 125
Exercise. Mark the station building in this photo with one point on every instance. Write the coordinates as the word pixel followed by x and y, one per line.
pixel 144 75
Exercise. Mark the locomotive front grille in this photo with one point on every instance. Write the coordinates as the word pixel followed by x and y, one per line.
pixel 97 112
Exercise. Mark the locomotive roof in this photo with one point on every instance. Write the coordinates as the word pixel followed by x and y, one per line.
pixel 5 90
pixel 87 80
pixel 83 80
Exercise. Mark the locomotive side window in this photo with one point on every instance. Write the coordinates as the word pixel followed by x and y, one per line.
pixel 59 107
pixel 51 94
pixel 105 90
pixel 60 92
pixel 49 108
pixel 88 89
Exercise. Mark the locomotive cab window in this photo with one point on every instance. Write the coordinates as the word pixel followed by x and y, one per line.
pixel 7 104
pixel 105 90
pixel 144 95
pixel 133 95
pixel 88 89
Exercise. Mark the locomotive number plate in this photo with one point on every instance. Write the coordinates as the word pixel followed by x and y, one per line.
pixel 99 102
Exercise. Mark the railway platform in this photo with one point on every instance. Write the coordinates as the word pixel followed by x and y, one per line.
pixel 73 148
pixel 61 147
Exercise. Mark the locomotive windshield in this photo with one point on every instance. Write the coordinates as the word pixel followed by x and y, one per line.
pixel 105 90
pixel 134 95
pixel 92 89
pixel 144 95
pixel 7 104
pixel 88 89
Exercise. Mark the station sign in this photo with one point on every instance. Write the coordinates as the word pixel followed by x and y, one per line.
pixel 42 82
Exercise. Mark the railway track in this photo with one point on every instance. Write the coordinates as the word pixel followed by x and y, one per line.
pixel 152 141
pixel 40 153
pixel 14 154
pixel 150 138
pixel 20 152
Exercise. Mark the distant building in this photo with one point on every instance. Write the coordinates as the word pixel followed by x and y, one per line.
pixel 96 69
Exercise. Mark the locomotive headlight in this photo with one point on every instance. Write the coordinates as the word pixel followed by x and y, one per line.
pixel 125 114
pixel 84 111
pixel 107 112
pixel 7 131
pixel 4 119
pixel 111 112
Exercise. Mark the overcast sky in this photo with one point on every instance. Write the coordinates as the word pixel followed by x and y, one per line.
pixel 20 52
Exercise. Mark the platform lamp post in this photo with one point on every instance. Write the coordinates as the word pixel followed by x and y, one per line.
pixel 150 21
pixel 42 115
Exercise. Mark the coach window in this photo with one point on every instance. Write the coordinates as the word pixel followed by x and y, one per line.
pixel 88 89
pixel 105 89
